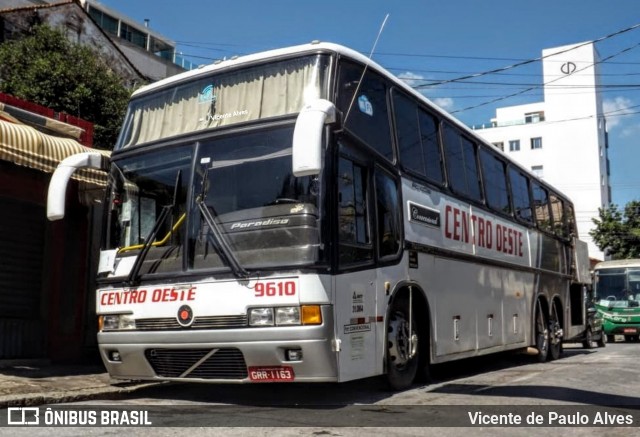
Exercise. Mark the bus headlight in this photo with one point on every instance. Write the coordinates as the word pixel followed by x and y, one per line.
pixel 288 316
pixel 261 317
pixel 116 322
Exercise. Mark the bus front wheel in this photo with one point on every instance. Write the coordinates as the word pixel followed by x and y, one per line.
pixel 402 348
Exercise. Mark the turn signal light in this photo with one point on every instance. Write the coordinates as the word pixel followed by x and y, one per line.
pixel 311 315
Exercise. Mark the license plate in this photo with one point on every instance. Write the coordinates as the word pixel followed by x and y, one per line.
pixel 630 330
pixel 271 374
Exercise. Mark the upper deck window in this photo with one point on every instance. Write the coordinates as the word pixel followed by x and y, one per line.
pixel 366 115
pixel 215 100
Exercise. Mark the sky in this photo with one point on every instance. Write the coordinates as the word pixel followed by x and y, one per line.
pixel 431 41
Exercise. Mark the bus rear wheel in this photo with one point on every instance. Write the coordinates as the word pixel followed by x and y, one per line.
pixel 541 334
pixel 602 341
pixel 587 343
pixel 555 333
pixel 402 348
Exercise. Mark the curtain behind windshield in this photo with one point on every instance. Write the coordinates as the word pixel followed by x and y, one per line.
pixel 264 91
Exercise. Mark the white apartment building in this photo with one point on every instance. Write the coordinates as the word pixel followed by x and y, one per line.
pixel 564 138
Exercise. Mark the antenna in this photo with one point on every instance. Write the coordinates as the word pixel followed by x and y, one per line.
pixel 355 93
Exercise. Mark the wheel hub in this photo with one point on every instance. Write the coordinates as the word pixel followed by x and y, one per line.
pixel 402 345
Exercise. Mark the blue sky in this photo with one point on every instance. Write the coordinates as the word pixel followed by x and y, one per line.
pixel 433 40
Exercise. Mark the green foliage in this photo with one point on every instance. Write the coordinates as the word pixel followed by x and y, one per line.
pixel 618 232
pixel 46 68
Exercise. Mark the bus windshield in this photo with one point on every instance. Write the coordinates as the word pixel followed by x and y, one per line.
pixel 244 208
pixel 618 288
pixel 225 98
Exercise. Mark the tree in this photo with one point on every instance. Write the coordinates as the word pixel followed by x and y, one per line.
pixel 618 232
pixel 44 67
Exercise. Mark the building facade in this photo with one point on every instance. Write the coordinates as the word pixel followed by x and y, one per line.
pixel 134 51
pixel 563 139
pixel 152 53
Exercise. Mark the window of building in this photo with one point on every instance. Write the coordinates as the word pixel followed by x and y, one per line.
pixel 105 21
pixel 514 145
pixel 499 145
pixel 133 35
pixel 536 143
pixel 538 170
pixel 534 117
pixel 161 48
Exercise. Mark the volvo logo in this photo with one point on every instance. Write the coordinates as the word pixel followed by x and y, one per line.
pixel 568 67
pixel 185 316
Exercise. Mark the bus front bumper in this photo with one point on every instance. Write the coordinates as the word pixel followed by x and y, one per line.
pixel 245 355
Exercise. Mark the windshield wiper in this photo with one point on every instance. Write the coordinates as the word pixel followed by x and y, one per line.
pixel 215 233
pixel 220 242
pixel 134 274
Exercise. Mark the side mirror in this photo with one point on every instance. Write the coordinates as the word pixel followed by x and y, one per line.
pixel 307 137
pixel 58 186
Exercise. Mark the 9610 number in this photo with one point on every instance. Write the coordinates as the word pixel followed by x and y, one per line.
pixel 275 288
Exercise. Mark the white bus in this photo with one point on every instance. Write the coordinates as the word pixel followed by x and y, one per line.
pixel 303 215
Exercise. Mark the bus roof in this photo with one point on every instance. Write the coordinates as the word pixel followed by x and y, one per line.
pixel 247 59
pixel 327 47
pixel 622 263
pixel 313 47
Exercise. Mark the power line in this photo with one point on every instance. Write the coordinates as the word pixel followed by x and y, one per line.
pixel 529 61
pixel 554 80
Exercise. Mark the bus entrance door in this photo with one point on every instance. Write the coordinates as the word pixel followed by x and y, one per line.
pixel 356 325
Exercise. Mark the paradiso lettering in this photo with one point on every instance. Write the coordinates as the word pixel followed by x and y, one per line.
pixel 468 228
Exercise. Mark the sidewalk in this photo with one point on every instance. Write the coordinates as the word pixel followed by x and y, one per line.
pixel 30 383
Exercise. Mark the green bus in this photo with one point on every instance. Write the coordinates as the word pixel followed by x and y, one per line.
pixel 617 297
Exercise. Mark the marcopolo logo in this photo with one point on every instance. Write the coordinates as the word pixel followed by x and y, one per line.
pixel 423 215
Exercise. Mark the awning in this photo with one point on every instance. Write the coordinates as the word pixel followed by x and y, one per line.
pixel 26 146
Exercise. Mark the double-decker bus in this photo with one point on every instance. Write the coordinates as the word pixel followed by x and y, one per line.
pixel 303 215
pixel 616 288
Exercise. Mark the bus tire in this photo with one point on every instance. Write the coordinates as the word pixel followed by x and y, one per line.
pixel 602 341
pixel 611 338
pixel 587 343
pixel 555 340
pixel 402 347
pixel 541 333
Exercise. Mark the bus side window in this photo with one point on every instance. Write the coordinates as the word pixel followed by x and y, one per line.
pixel 541 207
pixel 353 216
pixel 520 196
pixel 367 115
pixel 570 221
pixel 495 182
pixel 559 221
pixel 388 214
pixel 417 135
pixel 461 162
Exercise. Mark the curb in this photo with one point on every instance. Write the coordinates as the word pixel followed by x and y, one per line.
pixel 78 395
